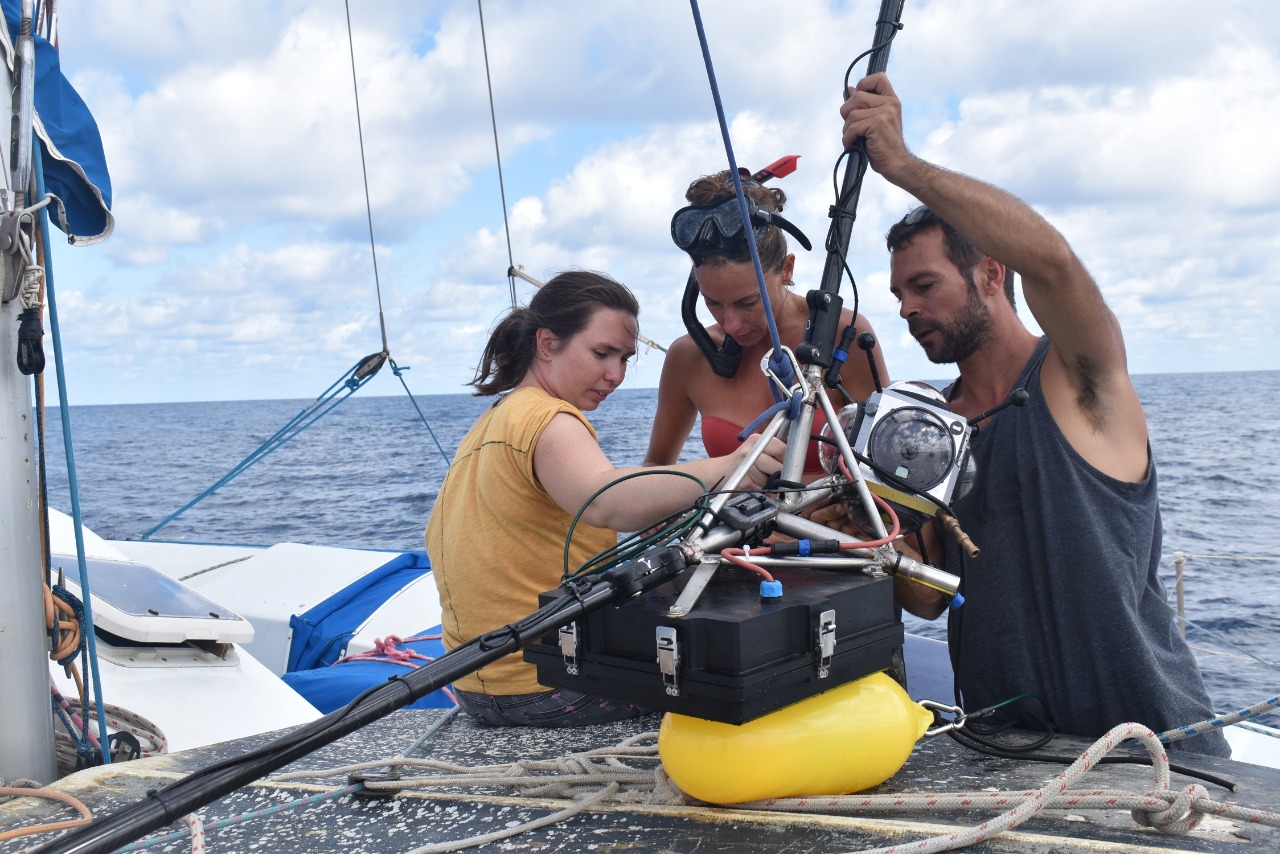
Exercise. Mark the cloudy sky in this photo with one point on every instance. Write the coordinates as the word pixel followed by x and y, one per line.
pixel 241 263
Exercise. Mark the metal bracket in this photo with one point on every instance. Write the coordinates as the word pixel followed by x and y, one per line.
pixel 693 588
pixel 10 246
pixel 569 648
pixel 669 659
pixel 10 223
pixel 826 642
pixel 958 717
pixel 16 236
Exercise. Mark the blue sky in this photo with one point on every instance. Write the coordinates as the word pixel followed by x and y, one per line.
pixel 240 267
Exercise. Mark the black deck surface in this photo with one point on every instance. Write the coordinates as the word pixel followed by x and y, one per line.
pixel 417 818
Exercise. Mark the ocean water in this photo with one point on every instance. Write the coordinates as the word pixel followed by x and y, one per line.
pixel 366 475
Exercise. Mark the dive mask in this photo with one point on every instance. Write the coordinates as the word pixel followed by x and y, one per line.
pixel 715 230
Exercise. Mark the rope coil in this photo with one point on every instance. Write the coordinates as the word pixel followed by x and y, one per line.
pixel 611 774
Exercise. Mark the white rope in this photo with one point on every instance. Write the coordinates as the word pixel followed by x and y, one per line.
pixel 151 739
pixel 591 776
pixel 19 783
pixel 32 284
pixel 1163 809
pixel 595 766
pixel 195 826
pixel 554 818
pixel 1260 730
pixel 605 775
pixel 611 774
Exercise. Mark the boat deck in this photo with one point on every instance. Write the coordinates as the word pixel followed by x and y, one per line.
pixel 416 818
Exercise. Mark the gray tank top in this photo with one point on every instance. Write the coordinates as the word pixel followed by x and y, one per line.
pixel 1064 601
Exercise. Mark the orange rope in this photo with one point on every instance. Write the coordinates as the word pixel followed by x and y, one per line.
pixel 59 616
pixel 50 794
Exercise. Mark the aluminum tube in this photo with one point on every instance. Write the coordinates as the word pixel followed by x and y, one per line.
pixel 864 493
pixel 26 104
pixel 695 540
pixel 922 573
pixel 820 562
pixel 798 436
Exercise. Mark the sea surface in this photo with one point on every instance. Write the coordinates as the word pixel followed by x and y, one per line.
pixel 366 475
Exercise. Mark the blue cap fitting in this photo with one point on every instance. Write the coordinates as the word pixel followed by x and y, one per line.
pixel 770 589
pixel 839 355
pixel 956 600
pixel 803 547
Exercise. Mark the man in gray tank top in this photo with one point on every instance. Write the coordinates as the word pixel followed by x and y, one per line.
pixel 1064 601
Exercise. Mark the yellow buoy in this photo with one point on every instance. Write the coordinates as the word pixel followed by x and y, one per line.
pixel 844 740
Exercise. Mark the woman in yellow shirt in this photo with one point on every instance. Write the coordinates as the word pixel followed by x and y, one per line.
pixel 496 535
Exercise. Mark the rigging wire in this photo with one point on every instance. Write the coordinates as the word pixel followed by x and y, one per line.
pixel 502 189
pixel 399 372
pixel 92 676
pixel 355 377
pixel 364 171
pixel 47 21
pixel 780 365
pixel 342 388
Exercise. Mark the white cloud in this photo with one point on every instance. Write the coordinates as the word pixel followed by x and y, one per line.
pixel 1143 130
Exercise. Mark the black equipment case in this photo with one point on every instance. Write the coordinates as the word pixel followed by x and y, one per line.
pixel 735 656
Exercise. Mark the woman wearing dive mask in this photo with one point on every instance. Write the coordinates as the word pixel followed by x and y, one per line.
pixel 715 372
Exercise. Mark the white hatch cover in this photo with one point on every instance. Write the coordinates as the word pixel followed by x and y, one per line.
pixel 141 604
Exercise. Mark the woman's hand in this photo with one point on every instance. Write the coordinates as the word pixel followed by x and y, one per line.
pixel 768 464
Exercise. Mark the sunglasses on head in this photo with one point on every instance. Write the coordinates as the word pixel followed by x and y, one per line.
pixel 919 215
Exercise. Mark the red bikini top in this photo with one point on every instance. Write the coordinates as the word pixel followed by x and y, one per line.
pixel 720 438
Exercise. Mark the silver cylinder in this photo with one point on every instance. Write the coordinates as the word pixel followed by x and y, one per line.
pixel 26 739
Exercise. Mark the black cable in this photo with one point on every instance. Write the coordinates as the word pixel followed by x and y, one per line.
pixel 897 28
pixel 568 537
pixel 107 833
pixel 979 736
pixel 923 549
pixel 976 736
pixel 1024 753
pixel 835 191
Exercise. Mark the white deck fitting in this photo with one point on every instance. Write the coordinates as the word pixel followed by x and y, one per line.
pixel 275 584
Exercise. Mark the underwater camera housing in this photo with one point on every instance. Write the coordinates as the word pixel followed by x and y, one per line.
pixel 907 431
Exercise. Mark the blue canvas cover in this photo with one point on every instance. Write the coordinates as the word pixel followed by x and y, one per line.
pixel 320 636
pixel 75 167
pixel 331 688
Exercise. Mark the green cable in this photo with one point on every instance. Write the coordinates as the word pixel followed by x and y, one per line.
pixel 568 539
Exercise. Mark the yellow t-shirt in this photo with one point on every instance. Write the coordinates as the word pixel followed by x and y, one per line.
pixel 496 537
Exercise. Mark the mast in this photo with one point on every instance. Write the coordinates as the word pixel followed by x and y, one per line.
pixel 26 739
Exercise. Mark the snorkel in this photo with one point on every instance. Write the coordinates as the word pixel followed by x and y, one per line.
pixel 716 230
